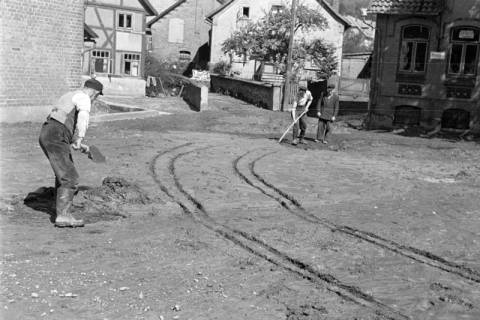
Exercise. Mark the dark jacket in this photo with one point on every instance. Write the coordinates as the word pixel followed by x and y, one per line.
pixel 329 107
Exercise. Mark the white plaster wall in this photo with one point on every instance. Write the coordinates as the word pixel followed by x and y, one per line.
pixel 161 5
pixel 126 3
pixel 333 34
pixel 128 41
pixel 225 23
pixel 104 19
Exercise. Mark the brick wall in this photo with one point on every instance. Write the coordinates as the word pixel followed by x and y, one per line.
pixel 40 49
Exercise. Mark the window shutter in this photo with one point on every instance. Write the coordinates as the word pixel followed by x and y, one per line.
pixel 175 30
pixel 137 22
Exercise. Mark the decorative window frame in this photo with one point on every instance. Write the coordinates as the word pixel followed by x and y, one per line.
pixel 451 43
pixel 459 86
pixel 412 75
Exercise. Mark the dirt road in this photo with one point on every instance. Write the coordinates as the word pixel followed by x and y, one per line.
pixel 205 216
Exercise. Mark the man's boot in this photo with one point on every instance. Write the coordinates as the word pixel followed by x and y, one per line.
pixel 64 202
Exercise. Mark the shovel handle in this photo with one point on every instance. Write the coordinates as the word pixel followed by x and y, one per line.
pixel 291 125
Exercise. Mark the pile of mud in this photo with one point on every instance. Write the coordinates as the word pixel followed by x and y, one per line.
pixel 115 189
pixel 112 200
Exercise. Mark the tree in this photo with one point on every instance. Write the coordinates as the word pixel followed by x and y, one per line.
pixel 354 42
pixel 353 7
pixel 266 40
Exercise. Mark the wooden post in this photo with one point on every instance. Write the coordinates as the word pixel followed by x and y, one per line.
pixel 288 74
pixel 161 85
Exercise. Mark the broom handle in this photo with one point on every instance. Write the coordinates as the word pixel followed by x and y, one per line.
pixel 291 125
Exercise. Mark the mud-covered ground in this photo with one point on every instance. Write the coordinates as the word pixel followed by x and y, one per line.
pixel 205 216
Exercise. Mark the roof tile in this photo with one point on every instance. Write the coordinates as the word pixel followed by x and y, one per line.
pixel 422 7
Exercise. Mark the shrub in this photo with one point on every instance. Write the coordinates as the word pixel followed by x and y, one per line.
pixel 222 68
pixel 155 67
pixel 169 72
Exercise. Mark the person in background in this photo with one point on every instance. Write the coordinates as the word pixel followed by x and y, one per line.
pixel 64 129
pixel 299 109
pixel 327 114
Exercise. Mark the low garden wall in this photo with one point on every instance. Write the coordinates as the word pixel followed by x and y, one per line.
pixel 196 96
pixel 264 95
pixel 120 86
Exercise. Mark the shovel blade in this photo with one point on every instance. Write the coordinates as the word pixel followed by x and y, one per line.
pixel 95 155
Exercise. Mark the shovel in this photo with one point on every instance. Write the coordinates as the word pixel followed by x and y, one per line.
pixel 93 153
pixel 291 125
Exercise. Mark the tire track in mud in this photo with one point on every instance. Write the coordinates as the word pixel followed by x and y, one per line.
pixel 287 200
pixel 257 247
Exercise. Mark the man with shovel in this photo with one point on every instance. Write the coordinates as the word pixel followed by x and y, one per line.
pixel 65 128
pixel 299 110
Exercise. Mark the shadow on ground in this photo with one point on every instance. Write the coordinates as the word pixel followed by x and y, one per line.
pixel 104 203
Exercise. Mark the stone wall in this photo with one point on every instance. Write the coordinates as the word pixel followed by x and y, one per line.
pixel 40 50
pixel 196 96
pixel 265 95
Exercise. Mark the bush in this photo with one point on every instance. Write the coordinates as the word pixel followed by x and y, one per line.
pixel 169 72
pixel 155 67
pixel 222 68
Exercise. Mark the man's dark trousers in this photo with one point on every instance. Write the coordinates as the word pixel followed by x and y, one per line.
pixel 324 127
pixel 302 123
pixel 55 140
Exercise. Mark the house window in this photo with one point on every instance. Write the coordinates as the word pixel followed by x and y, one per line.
pixel 407 115
pixel 246 12
pixel 277 9
pixel 101 61
pixel 414 50
pixel 456 119
pixel 463 58
pixel 149 43
pixel 243 17
pixel 125 20
pixel 185 55
pixel 131 64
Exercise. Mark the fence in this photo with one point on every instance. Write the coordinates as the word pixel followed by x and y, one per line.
pixel 354 89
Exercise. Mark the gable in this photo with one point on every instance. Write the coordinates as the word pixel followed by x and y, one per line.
pixel 210 15
pixel 139 5
pixel 178 4
pixel 328 9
